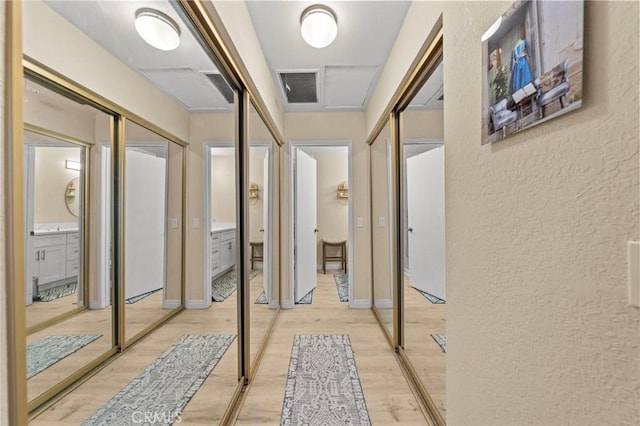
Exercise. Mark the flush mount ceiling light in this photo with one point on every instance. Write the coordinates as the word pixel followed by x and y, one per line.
pixel 318 25
pixel 157 29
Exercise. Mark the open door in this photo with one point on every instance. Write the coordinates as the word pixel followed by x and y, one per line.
pixel 305 228
pixel 266 237
pixel 425 205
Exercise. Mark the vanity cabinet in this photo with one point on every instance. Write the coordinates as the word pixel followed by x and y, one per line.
pixel 55 258
pixel 223 251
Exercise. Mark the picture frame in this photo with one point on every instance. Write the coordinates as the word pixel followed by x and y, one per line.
pixel 532 66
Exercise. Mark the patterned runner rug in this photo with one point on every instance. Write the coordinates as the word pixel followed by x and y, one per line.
pixel 46 352
pixel 306 300
pixel 224 286
pixel 441 340
pixel 261 300
pixel 57 292
pixel 430 297
pixel 323 387
pixel 342 285
pixel 167 385
pixel 139 297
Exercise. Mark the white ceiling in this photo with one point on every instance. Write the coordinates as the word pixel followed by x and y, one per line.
pixel 348 69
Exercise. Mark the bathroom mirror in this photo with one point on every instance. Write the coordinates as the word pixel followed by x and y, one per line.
pixel 68 330
pixel 381 220
pixel 423 237
pixel 71 198
pixel 263 297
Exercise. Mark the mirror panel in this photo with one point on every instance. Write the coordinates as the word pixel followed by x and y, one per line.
pixel 153 234
pixel 68 295
pixel 422 230
pixel 381 214
pixel 263 296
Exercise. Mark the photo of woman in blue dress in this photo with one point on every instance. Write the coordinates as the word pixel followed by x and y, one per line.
pixel 520 69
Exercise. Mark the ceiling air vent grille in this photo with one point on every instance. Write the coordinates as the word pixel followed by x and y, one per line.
pixel 300 87
pixel 221 84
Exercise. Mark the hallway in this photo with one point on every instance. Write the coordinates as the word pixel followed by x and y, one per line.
pixel 388 397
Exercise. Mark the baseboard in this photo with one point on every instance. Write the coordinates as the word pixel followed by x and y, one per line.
pixel 384 304
pixel 274 304
pixel 360 304
pixel 197 304
pixel 171 304
pixel 287 304
pixel 95 304
pixel 332 266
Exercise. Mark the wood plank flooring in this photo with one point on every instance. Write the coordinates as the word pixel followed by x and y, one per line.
pixel 387 394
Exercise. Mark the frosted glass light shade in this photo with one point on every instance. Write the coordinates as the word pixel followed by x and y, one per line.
pixel 319 26
pixel 157 29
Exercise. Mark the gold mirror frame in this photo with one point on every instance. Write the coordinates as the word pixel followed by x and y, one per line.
pixel 70 199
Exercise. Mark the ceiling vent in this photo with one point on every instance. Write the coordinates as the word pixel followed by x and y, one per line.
pixel 300 87
pixel 221 84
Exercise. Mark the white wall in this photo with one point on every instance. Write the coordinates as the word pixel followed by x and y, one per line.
pixel 538 327
pixel 51 179
pixel 223 188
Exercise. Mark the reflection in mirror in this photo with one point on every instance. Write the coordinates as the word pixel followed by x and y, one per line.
pixel 263 297
pixel 423 237
pixel 381 215
pixel 67 328
pixel 153 231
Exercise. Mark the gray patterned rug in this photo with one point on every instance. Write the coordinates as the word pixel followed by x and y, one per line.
pixel 224 286
pixel 56 292
pixel 430 297
pixel 342 285
pixel 167 385
pixel 46 352
pixel 323 387
pixel 134 299
pixel 441 340
pixel 261 300
pixel 306 300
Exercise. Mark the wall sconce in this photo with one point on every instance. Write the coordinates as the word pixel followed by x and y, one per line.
pixel 253 191
pixel 343 190
pixel 72 165
pixel 70 191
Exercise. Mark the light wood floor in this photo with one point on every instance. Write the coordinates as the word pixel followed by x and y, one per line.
pixel 39 312
pixel 387 394
pixel 423 318
pixel 388 397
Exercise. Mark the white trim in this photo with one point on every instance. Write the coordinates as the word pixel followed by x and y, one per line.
pixel 274 304
pixel 360 304
pixel 171 303
pixel 288 304
pixel 331 266
pixel 384 304
pixel 95 304
pixel 198 304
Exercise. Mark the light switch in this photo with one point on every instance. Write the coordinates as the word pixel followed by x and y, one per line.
pixel 360 222
pixel 174 223
pixel 633 261
pixel 196 223
pixel 381 222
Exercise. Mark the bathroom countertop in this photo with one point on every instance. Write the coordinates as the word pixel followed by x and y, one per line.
pixel 53 231
pixel 219 227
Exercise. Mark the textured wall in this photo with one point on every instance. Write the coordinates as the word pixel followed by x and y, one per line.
pixel 539 331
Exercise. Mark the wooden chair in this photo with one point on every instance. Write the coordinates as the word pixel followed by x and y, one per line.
pixel 341 256
pixel 257 252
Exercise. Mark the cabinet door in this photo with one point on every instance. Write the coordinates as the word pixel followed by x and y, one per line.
pixel 53 264
pixel 225 254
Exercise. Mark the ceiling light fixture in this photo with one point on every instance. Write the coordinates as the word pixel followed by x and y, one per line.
pixel 318 25
pixel 157 29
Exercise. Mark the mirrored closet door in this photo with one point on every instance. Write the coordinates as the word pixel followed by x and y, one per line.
pixel 263 294
pixel 381 228
pixel 423 238
pixel 69 317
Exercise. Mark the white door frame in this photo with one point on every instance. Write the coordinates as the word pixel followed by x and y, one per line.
pixel 290 303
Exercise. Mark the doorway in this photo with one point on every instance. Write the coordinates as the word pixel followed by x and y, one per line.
pixel 321 225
